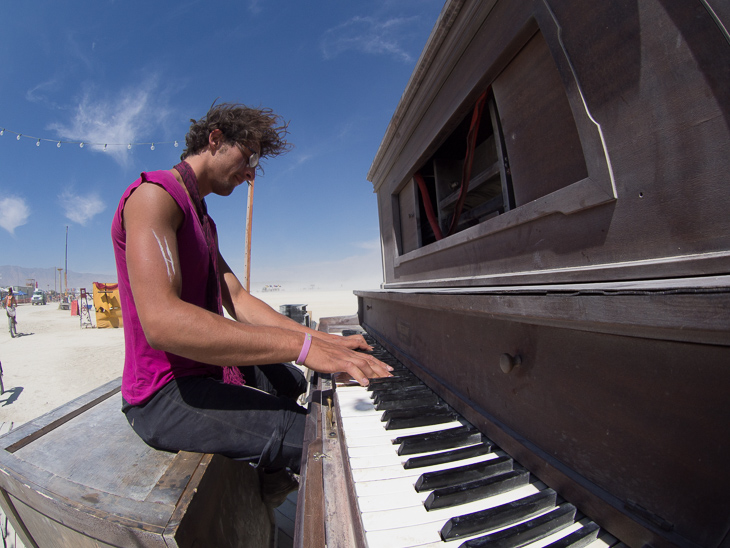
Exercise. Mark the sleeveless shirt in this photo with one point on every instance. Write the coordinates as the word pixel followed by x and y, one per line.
pixel 146 369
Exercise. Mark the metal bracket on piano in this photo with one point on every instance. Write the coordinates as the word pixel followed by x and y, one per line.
pixel 329 423
pixel 319 456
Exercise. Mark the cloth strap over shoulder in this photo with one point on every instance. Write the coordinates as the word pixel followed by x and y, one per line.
pixel 231 375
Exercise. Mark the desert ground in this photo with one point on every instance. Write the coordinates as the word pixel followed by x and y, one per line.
pixel 54 360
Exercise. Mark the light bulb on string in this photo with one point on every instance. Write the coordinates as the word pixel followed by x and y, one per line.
pixel 82 144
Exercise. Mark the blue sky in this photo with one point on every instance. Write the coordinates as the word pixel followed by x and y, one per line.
pixel 113 72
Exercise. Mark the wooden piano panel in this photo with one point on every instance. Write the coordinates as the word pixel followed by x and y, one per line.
pixel 652 123
pixel 629 429
pixel 533 108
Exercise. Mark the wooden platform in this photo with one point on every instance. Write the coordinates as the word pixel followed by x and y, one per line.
pixel 79 476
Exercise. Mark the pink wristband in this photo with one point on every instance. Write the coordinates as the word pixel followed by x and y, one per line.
pixel 305 349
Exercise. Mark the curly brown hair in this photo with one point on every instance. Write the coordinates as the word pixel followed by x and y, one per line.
pixel 239 124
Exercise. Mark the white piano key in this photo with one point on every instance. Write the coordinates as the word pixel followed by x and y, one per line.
pixel 372 450
pixel 370 435
pixel 375 450
pixel 383 487
pixel 428 536
pixel 418 515
pixel 396 470
pixel 354 407
pixel 396 460
pixel 405 537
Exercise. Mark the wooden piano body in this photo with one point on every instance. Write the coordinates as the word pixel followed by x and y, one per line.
pixel 80 477
pixel 579 312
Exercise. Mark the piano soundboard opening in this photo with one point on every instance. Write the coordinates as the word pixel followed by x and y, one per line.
pixel 421 476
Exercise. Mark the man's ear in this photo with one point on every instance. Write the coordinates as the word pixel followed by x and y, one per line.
pixel 215 139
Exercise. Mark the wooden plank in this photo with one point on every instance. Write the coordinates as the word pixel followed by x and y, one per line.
pixel 701 317
pixel 342 518
pixel 309 524
pixel 221 506
pixel 533 108
pixel 100 467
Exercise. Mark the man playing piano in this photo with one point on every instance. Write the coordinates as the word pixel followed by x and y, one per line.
pixel 193 379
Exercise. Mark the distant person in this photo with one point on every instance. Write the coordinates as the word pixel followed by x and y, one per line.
pixel 194 380
pixel 10 305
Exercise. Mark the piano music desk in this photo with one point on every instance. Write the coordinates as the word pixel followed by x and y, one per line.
pixel 80 477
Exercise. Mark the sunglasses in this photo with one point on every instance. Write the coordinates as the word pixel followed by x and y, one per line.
pixel 253 157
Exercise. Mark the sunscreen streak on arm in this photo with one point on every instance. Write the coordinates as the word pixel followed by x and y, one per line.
pixel 167 256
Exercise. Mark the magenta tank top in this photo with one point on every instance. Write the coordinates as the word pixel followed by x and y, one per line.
pixel 146 370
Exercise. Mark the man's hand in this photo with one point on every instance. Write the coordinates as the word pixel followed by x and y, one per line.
pixel 353 342
pixel 337 354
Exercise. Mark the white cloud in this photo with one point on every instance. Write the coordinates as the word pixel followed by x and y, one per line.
pixel 81 209
pixel 116 121
pixel 14 212
pixel 368 35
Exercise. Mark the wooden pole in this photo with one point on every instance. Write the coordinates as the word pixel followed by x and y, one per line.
pixel 247 256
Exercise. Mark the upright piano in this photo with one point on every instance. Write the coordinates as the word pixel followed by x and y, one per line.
pixel 554 203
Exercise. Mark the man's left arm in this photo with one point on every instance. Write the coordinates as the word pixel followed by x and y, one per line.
pixel 244 307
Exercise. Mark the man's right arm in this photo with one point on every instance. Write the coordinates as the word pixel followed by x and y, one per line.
pixel 151 219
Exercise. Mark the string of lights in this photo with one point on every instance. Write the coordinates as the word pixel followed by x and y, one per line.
pixel 82 144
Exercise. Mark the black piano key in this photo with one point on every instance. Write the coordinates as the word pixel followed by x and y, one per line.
pixel 476 490
pixel 526 532
pixel 408 392
pixel 424 419
pixel 578 539
pixel 407 403
pixel 394 389
pixel 477 450
pixel 499 516
pixel 406 395
pixel 396 378
pixel 451 438
pixel 404 385
pixel 415 411
pixel 463 474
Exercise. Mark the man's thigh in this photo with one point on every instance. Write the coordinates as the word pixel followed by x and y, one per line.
pixel 204 415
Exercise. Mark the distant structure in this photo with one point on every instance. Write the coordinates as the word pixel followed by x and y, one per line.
pixel 272 288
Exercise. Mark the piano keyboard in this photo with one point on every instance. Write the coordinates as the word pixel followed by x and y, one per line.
pixel 424 477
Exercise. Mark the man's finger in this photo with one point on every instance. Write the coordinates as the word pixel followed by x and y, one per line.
pixel 355 372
